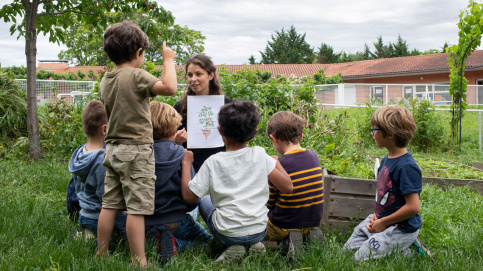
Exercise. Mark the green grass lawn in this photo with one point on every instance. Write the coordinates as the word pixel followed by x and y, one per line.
pixel 36 233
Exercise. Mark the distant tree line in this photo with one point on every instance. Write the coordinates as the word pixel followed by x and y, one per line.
pixel 290 47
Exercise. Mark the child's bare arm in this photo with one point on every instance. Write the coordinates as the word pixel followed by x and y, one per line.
pixel 168 86
pixel 281 179
pixel 188 195
pixel 411 208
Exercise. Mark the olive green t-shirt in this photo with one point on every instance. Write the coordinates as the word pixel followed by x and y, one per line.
pixel 125 94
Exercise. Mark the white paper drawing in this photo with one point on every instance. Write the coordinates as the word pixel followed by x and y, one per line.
pixel 202 121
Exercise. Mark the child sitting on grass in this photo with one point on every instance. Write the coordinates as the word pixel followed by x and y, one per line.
pixel 233 184
pixel 396 221
pixel 88 172
pixel 293 216
pixel 170 225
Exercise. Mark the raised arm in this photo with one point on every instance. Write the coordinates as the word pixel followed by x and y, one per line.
pixel 188 195
pixel 280 179
pixel 169 84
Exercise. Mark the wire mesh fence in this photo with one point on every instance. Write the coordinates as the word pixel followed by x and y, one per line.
pixel 54 90
pixel 344 95
pixel 348 94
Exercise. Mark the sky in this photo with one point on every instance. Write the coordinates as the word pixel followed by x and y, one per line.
pixel 235 30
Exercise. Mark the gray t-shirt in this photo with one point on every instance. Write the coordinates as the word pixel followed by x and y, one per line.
pixel 125 94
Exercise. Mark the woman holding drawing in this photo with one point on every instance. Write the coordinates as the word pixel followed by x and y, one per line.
pixel 202 80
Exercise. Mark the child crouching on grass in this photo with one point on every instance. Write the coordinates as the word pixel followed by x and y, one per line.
pixel 396 221
pixel 294 216
pixel 88 172
pixel 233 184
pixel 170 225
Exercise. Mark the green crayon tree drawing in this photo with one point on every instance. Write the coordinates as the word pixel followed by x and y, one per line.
pixel 206 119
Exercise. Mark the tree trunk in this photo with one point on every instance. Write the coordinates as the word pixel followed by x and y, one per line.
pixel 31 54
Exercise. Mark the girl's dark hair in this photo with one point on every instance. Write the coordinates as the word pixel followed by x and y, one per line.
pixel 238 120
pixel 122 40
pixel 206 64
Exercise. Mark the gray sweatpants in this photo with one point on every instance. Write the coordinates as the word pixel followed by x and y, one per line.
pixel 376 245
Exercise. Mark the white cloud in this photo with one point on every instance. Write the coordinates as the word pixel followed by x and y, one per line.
pixel 234 30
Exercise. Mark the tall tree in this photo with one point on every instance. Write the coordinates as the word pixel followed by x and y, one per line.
pixel 52 19
pixel 327 55
pixel 288 47
pixel 401 47
pixel 84 44
pixel 252 60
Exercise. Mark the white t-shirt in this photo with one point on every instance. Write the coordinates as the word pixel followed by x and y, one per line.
pixel 237 182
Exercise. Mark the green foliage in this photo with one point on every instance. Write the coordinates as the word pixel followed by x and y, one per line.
pixel 91 75
pixel 61 129
pixel 84 43
pixel 44 75
pixel 469 38
pixel 326 54
pixel 81 75
pixel 430 134
pixel 288 47
pixel 13 110
pixel 15 72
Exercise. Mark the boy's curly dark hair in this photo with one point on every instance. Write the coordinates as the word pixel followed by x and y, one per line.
pixel 122 40
pixel 238 120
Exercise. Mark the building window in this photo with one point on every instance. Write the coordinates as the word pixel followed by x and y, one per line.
pixel 377 93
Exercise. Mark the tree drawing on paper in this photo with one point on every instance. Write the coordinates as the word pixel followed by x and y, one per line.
pixel 206 119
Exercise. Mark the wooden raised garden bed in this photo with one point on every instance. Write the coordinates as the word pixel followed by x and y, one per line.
pixel 347 201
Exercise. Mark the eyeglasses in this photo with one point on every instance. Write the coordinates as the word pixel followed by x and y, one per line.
pixel 375 129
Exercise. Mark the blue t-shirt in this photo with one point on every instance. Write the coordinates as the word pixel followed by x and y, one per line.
pixel 396 178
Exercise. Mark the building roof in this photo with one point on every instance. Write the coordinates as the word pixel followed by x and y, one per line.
pixel 368 68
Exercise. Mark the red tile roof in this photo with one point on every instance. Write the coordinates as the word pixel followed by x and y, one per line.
pixel 367 68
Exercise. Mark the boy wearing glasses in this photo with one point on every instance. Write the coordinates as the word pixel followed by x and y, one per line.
pixel 395 224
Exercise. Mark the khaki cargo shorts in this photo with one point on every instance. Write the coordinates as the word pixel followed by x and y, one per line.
pixel 130 177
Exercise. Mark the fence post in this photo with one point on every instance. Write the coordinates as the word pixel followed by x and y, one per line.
pixel 479 130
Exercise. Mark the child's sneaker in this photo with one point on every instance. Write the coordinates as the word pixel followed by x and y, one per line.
pixel 167 247
pixel 257 248
pixel 294 244
pixel 420 248
pixel 316 235
pixel 231 253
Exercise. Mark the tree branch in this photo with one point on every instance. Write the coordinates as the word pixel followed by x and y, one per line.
pixel 64 11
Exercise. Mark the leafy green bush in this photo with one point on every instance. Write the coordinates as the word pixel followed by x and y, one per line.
pixel 61 128
pixel 44 75
pixel 13 110
pixel 430 133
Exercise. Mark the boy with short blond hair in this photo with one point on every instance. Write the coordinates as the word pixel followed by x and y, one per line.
pixel 88 172
pixel 396 221
pixel 129 160
pixel 292 216
pixel 170 225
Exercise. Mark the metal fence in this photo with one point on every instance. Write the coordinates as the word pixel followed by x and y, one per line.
pixel 347 94
pixel 54 90
pixel 344 95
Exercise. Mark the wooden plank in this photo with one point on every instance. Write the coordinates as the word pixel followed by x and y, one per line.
pixel 340 225
pixel 476 185
pixel 354 186
pixel 350 207
pixel 327 195
pixel 478 165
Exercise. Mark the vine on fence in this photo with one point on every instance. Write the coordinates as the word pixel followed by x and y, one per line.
pixel 471 27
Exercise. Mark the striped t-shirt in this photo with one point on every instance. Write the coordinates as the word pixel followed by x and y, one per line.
pixel 303 208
